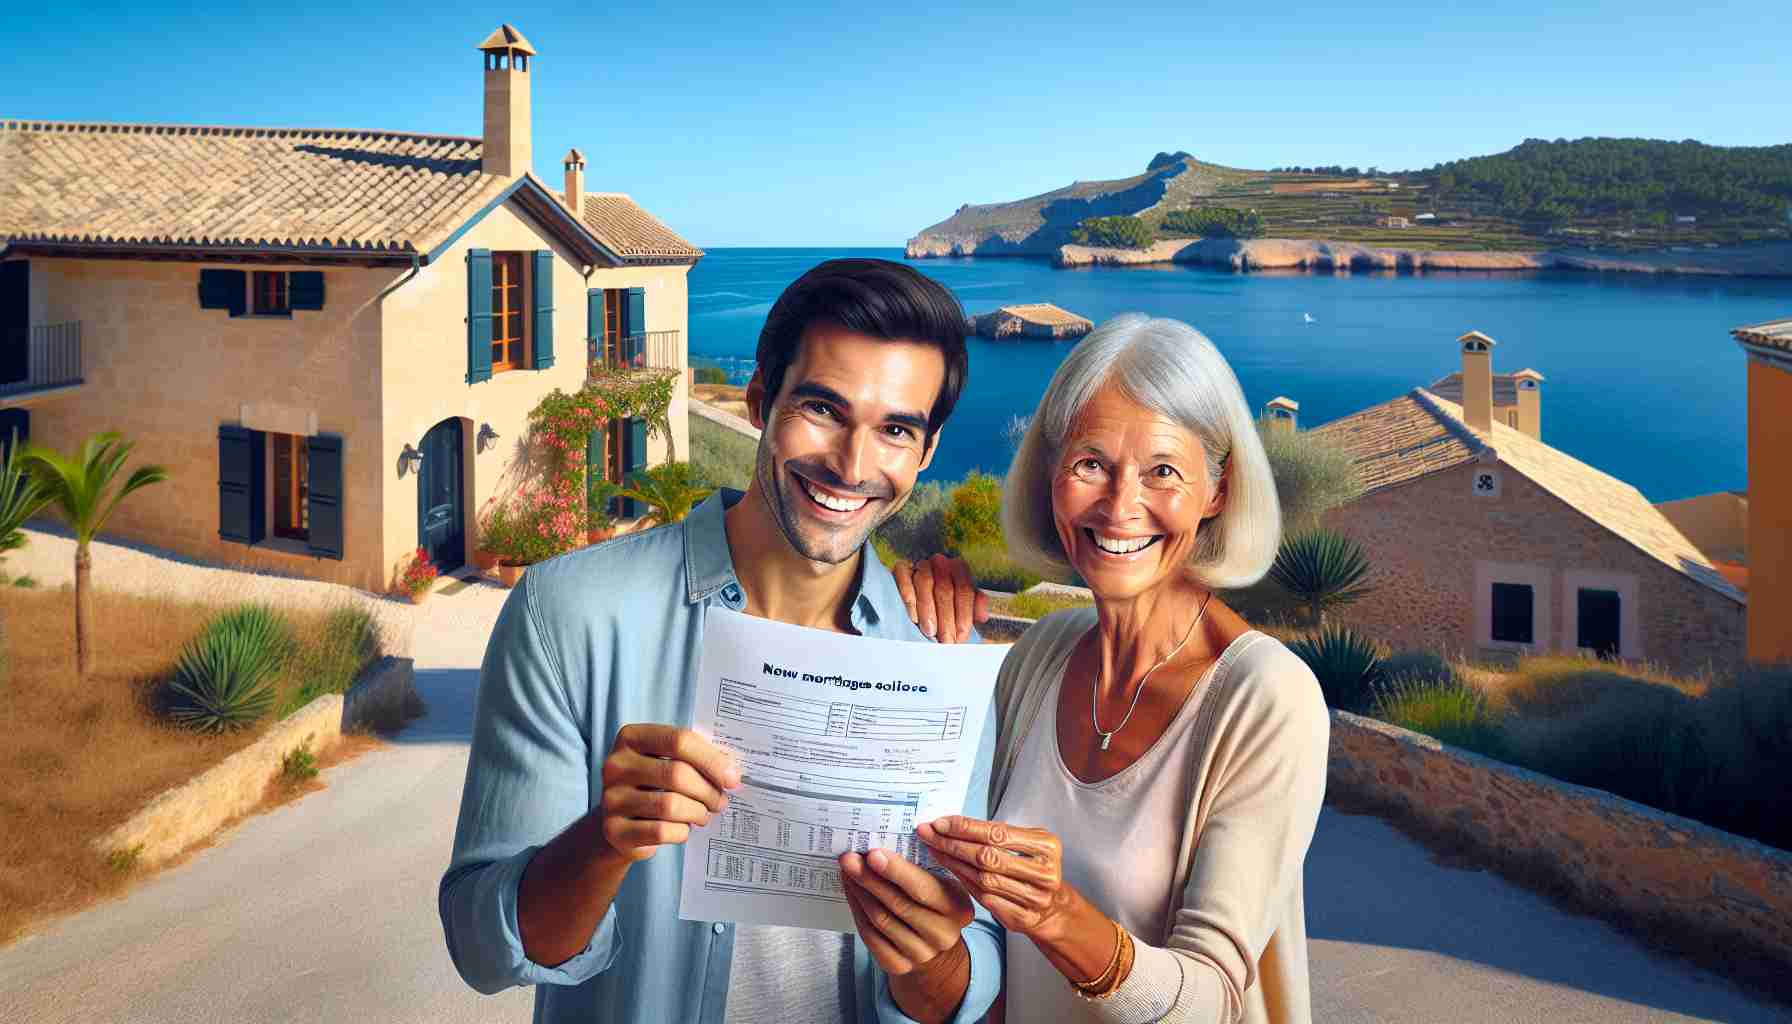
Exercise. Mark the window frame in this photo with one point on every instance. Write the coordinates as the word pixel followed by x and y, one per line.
pixel 504 263
pixel 278 288
pixel 289 494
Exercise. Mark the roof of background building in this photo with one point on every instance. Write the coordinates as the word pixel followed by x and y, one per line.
pixel 1046 314
pixel 1420 433
pixel 1505 389
pixel 190 188
pixel 1772 334
pixel 1716 522
pixel 631 230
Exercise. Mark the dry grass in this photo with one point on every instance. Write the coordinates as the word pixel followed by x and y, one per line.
pixel 78 757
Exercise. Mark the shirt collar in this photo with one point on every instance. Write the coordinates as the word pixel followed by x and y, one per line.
pixel 709 565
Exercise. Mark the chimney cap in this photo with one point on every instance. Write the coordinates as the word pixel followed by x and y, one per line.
pixel 573 156
pixel 1480 342
pixel 506 37
pixel 1529 374
pixel 1282 402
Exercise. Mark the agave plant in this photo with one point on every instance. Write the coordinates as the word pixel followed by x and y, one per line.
pixel 21 497
pixel 666 490
pixel 1321 569
pixel 225 678
pixel 81 489
pixel 1347 664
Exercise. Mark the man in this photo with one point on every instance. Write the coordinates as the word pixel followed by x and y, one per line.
pixel 580 771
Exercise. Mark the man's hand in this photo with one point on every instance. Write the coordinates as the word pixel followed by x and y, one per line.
pixel 942 597
pixel 910 922
pixel 659 781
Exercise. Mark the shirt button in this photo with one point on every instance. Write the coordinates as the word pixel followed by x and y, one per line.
pixel 731 593
pixel 718 928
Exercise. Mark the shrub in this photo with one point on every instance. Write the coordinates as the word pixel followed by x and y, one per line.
pixel 1422 666
pixel 667 490
pixel 1313 475
pixel 974 518
pixel 125 859
pixel 1347 664
pixel 915 531
pixel 419 573
pixel 299 763
pixel 991 568
pixel 598 493
pixel 1442 707
pixel 1748 721
pixel 1321 569
pixel 26 582
pixel 1034 605
pixel 1120 232
pixel 1214 222
pixel 225 678
pixel 328 660
pixel 709 375
pixel 720 457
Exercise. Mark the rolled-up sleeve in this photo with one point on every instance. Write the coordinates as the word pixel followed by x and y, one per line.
pixel 528 777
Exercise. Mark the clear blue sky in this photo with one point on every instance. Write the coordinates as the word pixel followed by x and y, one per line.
pixel 805 125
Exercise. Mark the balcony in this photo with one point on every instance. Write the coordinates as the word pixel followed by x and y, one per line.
pixel 39 361
pixel 643 350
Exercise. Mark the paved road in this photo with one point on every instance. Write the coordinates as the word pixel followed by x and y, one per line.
pixel 324 911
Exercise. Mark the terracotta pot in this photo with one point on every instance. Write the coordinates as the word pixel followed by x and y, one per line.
pixel 484 560
pixel 509 574
pixel 417 596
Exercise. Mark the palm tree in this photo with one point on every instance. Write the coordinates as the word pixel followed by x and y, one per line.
pixel 20 499
pixel 79 489
pixel 667 490
pixel 1322 569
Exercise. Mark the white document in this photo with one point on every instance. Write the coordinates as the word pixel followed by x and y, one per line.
pixel 844 742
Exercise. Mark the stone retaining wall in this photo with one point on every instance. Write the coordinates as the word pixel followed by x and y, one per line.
pixel 383 696
pixel 1643 865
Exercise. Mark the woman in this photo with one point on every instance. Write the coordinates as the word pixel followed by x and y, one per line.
pixel 1160 765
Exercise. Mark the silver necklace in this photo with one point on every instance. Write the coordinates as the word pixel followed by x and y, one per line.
pixel 1107 736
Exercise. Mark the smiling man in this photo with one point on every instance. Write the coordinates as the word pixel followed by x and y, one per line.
pixel 580 770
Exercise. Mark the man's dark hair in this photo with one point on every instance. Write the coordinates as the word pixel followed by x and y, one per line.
pixel 880 298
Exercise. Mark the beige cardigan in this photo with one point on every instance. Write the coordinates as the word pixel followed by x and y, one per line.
pixel 1237 947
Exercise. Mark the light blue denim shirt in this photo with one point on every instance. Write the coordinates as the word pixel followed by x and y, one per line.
pixel 588 642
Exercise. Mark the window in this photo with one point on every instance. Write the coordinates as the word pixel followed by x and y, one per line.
pixel 613 300
pixel 1597 622
pixel 291 510
pixel 508 300
pixel 269 294
pixel 613 434
pixel 1512 604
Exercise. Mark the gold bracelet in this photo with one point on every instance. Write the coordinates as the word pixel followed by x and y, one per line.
pixel 1122 968
pixel 1095 983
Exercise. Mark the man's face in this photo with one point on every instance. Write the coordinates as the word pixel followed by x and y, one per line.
pixel 845 438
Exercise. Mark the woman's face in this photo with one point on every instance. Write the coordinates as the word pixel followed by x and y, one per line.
pixel 1129 492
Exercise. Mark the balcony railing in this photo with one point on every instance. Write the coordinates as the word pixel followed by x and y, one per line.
pixel 648 350
pixel 52 358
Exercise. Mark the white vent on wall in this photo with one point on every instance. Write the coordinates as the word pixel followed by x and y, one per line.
pixel 1485 482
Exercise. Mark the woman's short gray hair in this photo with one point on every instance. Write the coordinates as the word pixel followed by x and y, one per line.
pixel 1172 369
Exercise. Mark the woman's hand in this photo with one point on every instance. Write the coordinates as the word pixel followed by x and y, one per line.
pixel 942 597
pixel 1017 873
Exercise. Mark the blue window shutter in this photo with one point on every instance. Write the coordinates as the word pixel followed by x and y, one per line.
pixel 479 315
pixel 323 499
pixel 634 460
pixel 541 282
pixel 634 328
pixel 305 289
pixel 242 498
pixel 594 325
pixel 224 289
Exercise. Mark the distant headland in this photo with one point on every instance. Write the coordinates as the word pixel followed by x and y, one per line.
pixel 1629 205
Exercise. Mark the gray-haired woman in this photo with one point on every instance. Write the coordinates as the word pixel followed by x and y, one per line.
pixel 1160 765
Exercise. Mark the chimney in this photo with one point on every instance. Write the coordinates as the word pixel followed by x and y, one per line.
pixel 1477 381
pixel 575 180
pixel 1280 413
pixel 1530 402
pixel 507 58
pixel 1769 349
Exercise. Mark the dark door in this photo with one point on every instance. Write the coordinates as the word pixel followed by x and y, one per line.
pixel 441 528
pixel 15 424
pixel 1599 622
pixel 15 321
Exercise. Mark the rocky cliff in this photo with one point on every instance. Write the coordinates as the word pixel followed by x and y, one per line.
pixel 1772 260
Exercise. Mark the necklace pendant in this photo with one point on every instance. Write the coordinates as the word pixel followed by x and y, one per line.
pixel 1105 737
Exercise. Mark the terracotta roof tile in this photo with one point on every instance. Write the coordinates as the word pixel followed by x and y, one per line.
pixel 1505 389
pixel 1421 433
pixel 1046 314
pixel 631 231
pixel 1772 334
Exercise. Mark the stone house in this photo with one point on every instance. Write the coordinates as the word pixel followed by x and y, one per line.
pixel 1031 320
pixel 1769 349
pixel 331 339
pixel 1718 524
pixel 1486 541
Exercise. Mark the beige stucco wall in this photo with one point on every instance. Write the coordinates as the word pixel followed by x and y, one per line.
pixel 1435 548
pixel 166 374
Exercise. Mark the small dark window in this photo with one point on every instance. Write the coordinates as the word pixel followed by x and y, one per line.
pixel 291 509
pixel 1512 604
pixel 1597 622
pixel 269 293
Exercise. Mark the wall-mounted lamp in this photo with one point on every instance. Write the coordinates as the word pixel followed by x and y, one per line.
pixel 410 459
pixel 485 437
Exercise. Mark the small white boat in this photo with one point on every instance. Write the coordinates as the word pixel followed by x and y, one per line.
pixel 1309 318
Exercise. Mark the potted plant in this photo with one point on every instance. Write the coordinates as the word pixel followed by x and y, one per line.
pixel 667 490
pixel 530 527
pixel 600 525
pixel 419 575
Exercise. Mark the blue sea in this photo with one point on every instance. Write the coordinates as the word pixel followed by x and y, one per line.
pixel 1642 379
